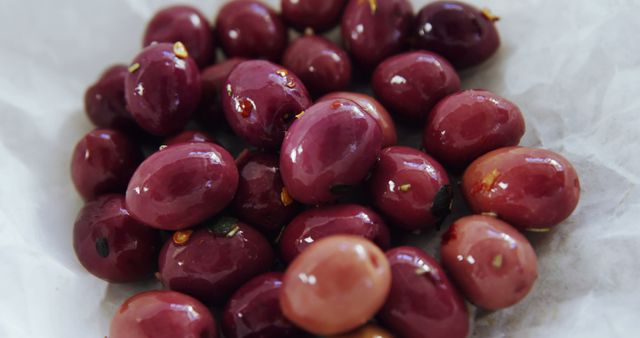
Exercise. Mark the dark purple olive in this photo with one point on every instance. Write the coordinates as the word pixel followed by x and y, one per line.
pixel 260 99
pixel 460 32
pixel 251 29
pixel 493 264
pixel 182 185
pixel 163 88
pixel 465 125
pixel 318 15
pixel 190 136
pixel 374 30
pixel 531 189
pixel 212 262
pixel 210 111
pixel 261 199
pixel 410 84
pixel 105 104
pixel 322 66
pixel 422 301
pixel 410 188
pixel 317 223
pixel 163 314
pixel 375 109
pixel 187 25
pixel 111 244
pixel 103 162
pixel 327 150
pixel 254 311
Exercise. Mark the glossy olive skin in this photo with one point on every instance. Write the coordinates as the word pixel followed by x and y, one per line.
pixel 422 301
pixel 187 25
pixel 103 162
pixel 336 273
pixel 460 32
pixel 410 84
pixel 254 311
pixel 322 66
pixel 212 263
pixel 210 111
pixel 375 109
pixel 531 189
pixel 375 30
pixel 182 185
pixel 260 200
pixel 190 136
pixel 465 125
pixel 347 219
pixel 111 244
pixel 493 263
pixel 251 29
pixel 163 314
pixel 333 145
pixel 260 99
pixel 162 89
pixel 104 101
pixel 367 331
pixel 319 15
pixel 410 188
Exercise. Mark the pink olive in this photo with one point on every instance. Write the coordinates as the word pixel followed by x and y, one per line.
pixel 103 162
pixel 260 99
pixel 182 185
pixel 111 244
pixel 213 78
pixel 410 84
pixel 468 124
pixel 163 314
pixel 318 15
pixel 531 189
pixel 328 149
pixel 190 136
pixel 105 104
pixel 212 262
pixel 493 263
pixel 410 188
pixel 422 301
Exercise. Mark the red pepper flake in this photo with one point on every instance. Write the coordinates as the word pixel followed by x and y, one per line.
pixel 285 198
pixel 181 237
pixel 336 104
pixel 282 72
pixel 245 107
pixel 487 14
pixel 180 50
pixel 134 67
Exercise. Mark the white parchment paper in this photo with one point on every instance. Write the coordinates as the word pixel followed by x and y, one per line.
pixel 573 67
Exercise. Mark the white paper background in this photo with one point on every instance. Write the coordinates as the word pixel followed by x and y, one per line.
pixel 572 66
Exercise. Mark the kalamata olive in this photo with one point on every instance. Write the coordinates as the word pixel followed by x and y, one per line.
pixel 460 32
pixel 251 29
pixel 213 78
pixel 335 285
pixel 492 263
pixel 327 150
pixel 104 101
pixel 260 99
pixel 190 136
pixel 318 15
pixel 322 66
pixel 182 185
pixel 254 311
pixel 410 84
pixel 531 189
pixel 111 244
pixel 465 125
pixel 212 262
pixel 162 314
pixel 367 331
pixel 410 188
pixel 422 301
pixel 347 219
pixel 375 109
pixel 187 25
pixel 375 30
pixel 163 88
pixel 102 162
pixel 261 199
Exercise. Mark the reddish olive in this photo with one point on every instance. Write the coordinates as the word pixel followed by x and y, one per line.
pixel 318 15
pixel 190 136
pixel 105 104
pixel 213 78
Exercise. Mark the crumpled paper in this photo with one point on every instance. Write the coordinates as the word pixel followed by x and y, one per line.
pixel 572 66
